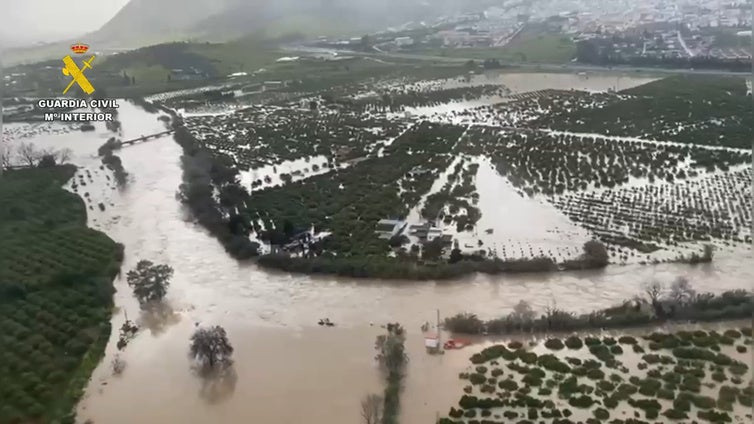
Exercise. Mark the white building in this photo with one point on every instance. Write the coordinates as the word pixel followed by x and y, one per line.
pixel 404 41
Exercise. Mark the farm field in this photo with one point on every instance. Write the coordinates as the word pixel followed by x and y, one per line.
pixel 55 295
pixel 668 377
pixel 441 159
pixel 686 109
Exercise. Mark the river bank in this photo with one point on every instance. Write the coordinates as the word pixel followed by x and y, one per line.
pixel 271 316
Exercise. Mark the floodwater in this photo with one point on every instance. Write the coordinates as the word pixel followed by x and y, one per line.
pixel 288 369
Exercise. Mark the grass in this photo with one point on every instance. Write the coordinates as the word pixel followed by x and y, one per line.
pixel 55 296
pixel 539 48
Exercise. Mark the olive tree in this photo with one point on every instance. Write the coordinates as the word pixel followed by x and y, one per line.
pixel 149 282
pixel 371 409
pixel 211 348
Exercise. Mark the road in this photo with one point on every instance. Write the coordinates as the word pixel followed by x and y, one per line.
pixel 683 44
pixel 551 67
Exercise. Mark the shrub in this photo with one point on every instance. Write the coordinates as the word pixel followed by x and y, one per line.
pixel 510 414
pixel 470 413
pixel 714 417
pixel 719 376
pixel 496 372
pixel 567 413
pixel 741 349
pixel 738 368
pixel 682 402
pixel 627 340
pixel 600 351
pixel 654 346
pixel 573 361
pixel 690 384
pixel 665 394
pixel 481 369
pixel 649 387
pixel 675 414
pixel 703 341
pixel 582 401
pixel 725 340
pixel 746 331
pixel 610 402
pixel 645 404
pixel 574 343
pixel 595 374
pixel 554 344
pixel 531 380
pixel 592 364
pixel 544 392
pixel 601 414
pixel 532 414
pixel 579 371
pixel 733 334
pixel 605 386
pixel 637 349
pixel 592 341
pixel 616 350
pixel 553 363
pixel 609 341
pixel 509 385
pixel 455 413
pixel 490 353
pixel 477 379
pixel 515 345
pixel 703 402
pixel 527 357
pixel 627 389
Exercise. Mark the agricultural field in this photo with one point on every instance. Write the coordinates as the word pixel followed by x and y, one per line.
pixel 55 295
pixel 446 157
pixel 685 109
pixel 669 377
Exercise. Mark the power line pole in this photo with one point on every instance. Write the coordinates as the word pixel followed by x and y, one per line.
pixel 752 182
pixel 2 94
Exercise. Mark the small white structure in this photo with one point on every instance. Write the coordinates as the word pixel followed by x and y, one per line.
pixel 387 228
pixel 404 41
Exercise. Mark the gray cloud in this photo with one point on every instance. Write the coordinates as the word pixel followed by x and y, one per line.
pixel 25 21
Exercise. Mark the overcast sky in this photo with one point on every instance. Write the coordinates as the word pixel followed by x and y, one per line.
pixel 23 21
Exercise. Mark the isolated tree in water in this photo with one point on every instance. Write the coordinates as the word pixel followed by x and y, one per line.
pixel 149 282
pixel 211 347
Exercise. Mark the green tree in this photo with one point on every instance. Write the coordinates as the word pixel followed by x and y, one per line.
pixel 149 282
pixel 211 347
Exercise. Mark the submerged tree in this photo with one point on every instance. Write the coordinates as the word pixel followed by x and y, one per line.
pixel 211 347
pixel 371 409
pixel 149 282
pixel 681 291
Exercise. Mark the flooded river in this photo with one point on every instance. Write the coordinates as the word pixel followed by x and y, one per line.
pixel 288 369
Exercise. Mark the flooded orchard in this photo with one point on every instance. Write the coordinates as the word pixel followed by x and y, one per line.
pixel 281 355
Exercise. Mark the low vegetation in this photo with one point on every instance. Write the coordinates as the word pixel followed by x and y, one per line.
pixel 55 295
pixel 603 385
pixel 681 304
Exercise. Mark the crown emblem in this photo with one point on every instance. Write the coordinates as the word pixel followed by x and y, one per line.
pixel 79 48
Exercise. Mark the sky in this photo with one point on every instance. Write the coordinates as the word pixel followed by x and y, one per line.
pixel 30 21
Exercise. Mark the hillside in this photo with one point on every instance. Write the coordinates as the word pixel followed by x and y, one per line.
pixel 143 22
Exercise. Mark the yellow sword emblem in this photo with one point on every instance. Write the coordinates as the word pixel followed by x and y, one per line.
pixel 72 70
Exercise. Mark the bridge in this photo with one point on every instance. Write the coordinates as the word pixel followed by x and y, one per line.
pixel 145 138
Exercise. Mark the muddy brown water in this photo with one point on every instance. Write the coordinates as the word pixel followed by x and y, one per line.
pixel 288 369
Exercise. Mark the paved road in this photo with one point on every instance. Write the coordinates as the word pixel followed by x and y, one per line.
pixel 567 67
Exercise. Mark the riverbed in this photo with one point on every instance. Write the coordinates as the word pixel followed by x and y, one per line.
pixel 289 369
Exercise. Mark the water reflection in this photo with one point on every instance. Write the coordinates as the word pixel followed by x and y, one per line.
pixel 280 352
pixel 217 384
